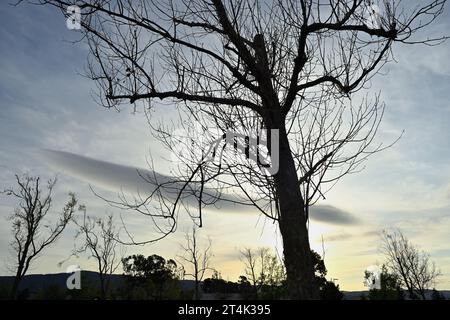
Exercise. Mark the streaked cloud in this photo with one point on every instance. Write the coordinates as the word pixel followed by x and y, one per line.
pixel 345 235
pixel 127 179
pixel 331 214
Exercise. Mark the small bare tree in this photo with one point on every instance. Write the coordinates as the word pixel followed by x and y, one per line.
pixel 32 230
pixel 293 68
pixel 197 258
pixel 262 269
pixel 411 265
pixel 250 260
pixel 99 237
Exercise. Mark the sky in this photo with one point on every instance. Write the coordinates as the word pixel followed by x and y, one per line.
pixel 50 125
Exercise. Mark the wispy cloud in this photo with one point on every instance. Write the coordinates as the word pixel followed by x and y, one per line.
pixel 345 235
pixel 331 214
pixel 138 181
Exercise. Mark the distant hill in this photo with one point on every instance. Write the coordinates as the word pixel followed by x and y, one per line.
pixel 35 283
pixel 356 295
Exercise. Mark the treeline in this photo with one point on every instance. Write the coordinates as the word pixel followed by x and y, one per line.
pixel 157 278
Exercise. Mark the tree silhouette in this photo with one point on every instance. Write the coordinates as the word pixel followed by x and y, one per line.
pixel 410 265
pixel 266 276
pixel 265 272
pixel 99 239
pixel 217 285
pixel 283 72
pixel 197 258
pixel 250 259
pixel 328 290
pixel 390 286
pixel 32 229
pixel 154 274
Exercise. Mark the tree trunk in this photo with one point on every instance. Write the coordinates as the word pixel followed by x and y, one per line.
pixel 197 284
pixel 14 288
pixel 102 286
pixel 293 227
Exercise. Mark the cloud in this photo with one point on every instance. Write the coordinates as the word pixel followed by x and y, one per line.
pixel 338 237
pixel 343 236
pixel 367 252
pixel 118 178
pixel 331 214
pixel 129 180
pixel 107 175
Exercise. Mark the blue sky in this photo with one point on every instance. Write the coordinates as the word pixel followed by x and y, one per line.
pixel 45 103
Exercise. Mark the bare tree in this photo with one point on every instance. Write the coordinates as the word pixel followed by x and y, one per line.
pixel 250 260
pixel 263 269
pixel 287 68
pixel 99 236
pixel 411 265
pixel 197 258
pixel 32 229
